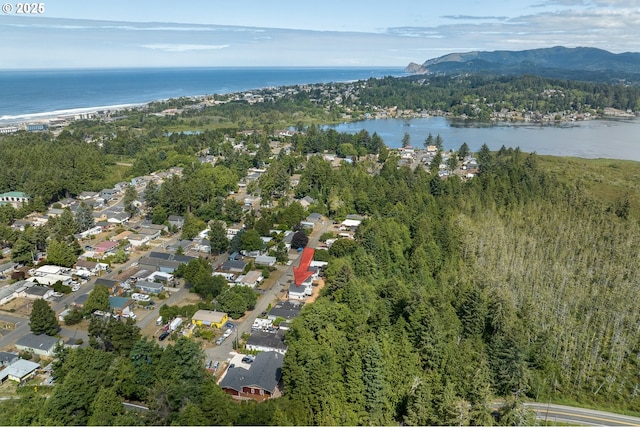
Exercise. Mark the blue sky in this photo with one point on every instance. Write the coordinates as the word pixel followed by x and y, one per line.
pixel 141 33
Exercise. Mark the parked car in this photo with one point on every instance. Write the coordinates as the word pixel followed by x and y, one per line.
pixel 229 325
pixel 247 359
pixel 215 365
pixel 163 335
pixel 219 341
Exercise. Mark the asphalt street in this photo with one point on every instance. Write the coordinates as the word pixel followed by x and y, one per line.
pixel 569 415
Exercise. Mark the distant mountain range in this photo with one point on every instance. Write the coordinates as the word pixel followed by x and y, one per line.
pixel 579 63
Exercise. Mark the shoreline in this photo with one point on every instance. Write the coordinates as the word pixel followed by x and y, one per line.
pixel 177 83
pixel 47 116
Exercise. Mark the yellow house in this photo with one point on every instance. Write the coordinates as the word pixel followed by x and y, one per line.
pixel 209 318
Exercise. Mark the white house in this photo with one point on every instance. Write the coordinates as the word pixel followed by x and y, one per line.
pixel 48 269
pixel 265 260
pixel 51 279
pixel 94 231
pixel 251 279
pixel 300 292
pixel 20 370
pixel 138 240
pixel 41 345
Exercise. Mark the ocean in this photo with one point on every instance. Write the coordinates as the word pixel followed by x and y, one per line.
pixel 33 94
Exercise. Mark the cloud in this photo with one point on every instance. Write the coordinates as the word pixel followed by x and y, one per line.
pixel 176 47
pixel 471 17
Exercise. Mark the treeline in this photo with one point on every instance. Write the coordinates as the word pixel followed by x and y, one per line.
pixel 477 96
pixel 49 168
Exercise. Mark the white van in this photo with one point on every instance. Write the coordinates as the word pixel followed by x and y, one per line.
pixel 159 321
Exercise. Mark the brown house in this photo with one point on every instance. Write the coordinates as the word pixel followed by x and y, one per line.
pixel 261 381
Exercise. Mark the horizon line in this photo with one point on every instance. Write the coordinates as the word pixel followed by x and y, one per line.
pixel 203 67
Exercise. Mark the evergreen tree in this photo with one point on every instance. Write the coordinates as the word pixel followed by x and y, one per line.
pixel 218 237
pixel 159 215
pixel 233 210
pixel 60 253
pixel 84 218
pixel 406 140
pixel 151 195
pixel 105 408
pixel 464 151
pixel 375 390
pixel 428 141
pixel 23 251
pixel 43 319
pixel 130 196
pixel 251 241
pixel 98 299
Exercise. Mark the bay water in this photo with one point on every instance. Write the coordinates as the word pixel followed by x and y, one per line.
pixel 602 138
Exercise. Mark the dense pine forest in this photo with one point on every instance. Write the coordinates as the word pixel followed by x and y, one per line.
pixel 463 94
pixel 508 285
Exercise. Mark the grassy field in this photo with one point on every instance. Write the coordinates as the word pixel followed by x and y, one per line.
pixel 605 179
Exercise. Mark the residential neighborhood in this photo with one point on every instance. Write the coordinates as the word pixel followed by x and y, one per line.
pixel 138 287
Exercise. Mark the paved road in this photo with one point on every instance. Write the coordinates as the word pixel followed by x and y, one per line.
pixel 577 416
pixel 268 297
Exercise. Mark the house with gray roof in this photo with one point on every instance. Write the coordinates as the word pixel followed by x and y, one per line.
pixel 107 194
pixel 158 264
pixel 261 381
pixel 176 220
pixel 184 244
pixel 285 310
pixel 149 287
pixel 267 341
pixel 265 260
pixel 42 345
pixel 161 255
pixel 7 268
pixel 112 285
pixel 7 359
pixel 20 370
pixel 233 266
pixel 81 300
pixel 7 293
pixel 314 217
pixel 38 292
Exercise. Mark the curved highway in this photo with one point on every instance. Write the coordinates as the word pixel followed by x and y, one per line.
pixel 550 413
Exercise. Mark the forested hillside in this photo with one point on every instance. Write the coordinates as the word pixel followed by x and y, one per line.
pixel 510 285
pixel 477 96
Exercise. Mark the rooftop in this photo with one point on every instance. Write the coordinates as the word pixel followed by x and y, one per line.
pixel 209 316
pixel 265 372
pixel 41 342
